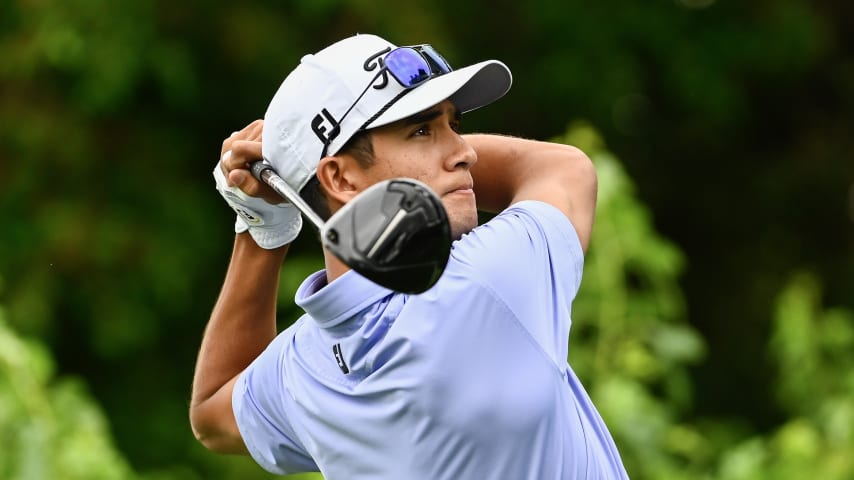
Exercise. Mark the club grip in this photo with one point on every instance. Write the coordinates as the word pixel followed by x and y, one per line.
pixel 257 168
pixel 264 172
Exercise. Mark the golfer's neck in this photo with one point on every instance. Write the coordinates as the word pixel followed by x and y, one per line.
pixel 334 267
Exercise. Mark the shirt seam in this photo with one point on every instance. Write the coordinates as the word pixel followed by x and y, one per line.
pixel 573 240
pixel 245 394
pixel 579 265
pixel 518 324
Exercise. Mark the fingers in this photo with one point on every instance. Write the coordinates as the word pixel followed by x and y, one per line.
pixel 251 132
pixel 241 154
pixel 239 150
pixel 235 165
pixel 254 130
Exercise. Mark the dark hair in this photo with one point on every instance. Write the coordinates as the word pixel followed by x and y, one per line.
pixel 359 147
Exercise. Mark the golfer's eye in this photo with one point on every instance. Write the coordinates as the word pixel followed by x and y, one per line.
pixel 421 131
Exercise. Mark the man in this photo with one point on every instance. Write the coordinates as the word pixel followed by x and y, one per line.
pixel 468 380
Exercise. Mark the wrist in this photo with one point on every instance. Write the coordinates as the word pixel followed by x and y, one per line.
pixel 246 249
pixel 271 226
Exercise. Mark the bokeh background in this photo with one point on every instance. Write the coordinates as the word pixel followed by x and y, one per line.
pixel 714 328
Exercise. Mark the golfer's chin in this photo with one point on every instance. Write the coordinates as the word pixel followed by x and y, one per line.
pixel 462 214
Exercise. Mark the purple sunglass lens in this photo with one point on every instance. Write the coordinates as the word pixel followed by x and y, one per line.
pixel 407 66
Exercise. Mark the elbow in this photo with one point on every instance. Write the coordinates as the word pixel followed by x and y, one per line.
pixel 201 429
pixel 213 423
pixel 587 172
pixel 210 442
pixel 578 158
pixel 579 191
pixel 577 169
pixel 211 433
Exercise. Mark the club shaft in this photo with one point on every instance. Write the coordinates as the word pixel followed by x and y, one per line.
pixel 264 172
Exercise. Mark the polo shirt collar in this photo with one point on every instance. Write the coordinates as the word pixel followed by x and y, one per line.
pixel 333 303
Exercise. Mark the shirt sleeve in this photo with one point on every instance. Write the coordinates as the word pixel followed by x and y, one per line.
pixel 259 401
pixel 530 258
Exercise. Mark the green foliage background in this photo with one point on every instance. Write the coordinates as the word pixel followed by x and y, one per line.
pixel 714 328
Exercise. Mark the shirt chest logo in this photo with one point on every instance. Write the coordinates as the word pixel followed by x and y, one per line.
pixel 339 358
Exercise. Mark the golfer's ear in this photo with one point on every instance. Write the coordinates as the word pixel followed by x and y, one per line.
pixel 336 176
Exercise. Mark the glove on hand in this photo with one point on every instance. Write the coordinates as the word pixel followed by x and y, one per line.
pixel 271 226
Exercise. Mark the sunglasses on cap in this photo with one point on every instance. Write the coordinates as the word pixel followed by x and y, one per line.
pixel 409 66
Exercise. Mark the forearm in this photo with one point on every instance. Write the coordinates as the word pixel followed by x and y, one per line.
pixel 243 321
pixel 511 169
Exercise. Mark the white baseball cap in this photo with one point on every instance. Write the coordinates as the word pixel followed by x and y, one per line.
pixel 306 112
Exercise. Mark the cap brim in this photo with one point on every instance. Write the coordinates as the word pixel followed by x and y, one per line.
pixel 468 88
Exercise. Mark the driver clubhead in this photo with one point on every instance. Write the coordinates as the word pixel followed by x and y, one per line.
pixel 395 233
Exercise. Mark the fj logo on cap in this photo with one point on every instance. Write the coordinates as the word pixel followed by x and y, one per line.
pixel 324 124
pixel 320 126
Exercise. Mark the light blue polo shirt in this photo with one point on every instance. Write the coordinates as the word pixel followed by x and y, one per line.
pixel 468 380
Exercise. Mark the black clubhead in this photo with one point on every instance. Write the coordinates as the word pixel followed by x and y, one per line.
pixel 395 233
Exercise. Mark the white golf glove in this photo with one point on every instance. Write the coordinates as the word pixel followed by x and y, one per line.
pixel 271 226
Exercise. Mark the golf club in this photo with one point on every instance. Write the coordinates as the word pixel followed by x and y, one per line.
pixel 395 233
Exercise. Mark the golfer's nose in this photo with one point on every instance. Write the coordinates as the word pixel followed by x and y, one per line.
pixel 462 155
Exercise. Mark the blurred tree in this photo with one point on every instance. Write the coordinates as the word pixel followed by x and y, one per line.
pixel 50 428
pixel 813 350
pixel 733 120
pixel 632 347
pixel 630 341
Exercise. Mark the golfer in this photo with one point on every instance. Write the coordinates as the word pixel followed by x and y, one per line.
pixel 468 380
